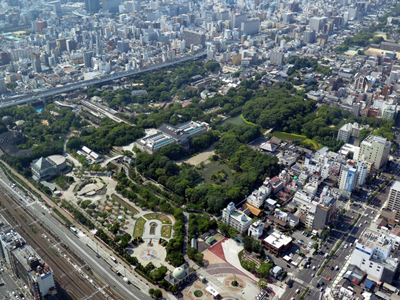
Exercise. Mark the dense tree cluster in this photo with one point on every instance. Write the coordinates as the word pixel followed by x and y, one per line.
pixel 250 166
pixel 160 85
pixel 45 132
pixel 175 245
pixel 104 137
pixel 277 107
pixel 199 224
pixel 303 62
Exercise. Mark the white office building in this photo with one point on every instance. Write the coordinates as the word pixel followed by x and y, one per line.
pixel 372 254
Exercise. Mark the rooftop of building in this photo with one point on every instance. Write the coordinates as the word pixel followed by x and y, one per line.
pixel 374 236
pixel 240 217
pixel 375 139
pixel 12 239
pixel 278 240
pixel 396 186
pixel 28 258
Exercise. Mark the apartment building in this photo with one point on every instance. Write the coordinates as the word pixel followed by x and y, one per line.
pixel 376 148
pixel 394 199
pixel 347 131
pixel 235 218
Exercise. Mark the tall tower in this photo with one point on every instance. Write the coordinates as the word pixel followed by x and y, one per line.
pixel 36 64
pixel 99 48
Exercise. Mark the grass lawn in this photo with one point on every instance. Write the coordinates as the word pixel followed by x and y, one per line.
pixel 139 227
pixel 166 231
pixel 247 122
pixel 297 137
pixel 156 216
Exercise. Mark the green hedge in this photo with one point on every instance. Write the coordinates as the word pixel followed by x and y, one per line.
pixel 304 293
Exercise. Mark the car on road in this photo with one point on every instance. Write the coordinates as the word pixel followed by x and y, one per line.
pixel 290 283
pixel 331 268
pixel 297 291
pixel 312 275
pixel 329 279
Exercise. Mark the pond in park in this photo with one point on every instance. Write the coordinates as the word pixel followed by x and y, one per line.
pixel 217 173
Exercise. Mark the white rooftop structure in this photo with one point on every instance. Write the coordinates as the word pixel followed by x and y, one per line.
pixel 278 240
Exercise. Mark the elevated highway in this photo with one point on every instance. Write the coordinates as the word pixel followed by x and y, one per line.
pixel 22 99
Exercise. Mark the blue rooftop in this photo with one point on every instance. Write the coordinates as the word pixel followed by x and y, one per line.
pixel 369 284
pixel 194 129
pixel 162 143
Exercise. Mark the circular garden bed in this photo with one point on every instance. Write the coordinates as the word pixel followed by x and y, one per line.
pixel 198 293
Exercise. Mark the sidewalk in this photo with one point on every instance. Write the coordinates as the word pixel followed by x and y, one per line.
pixel 105 254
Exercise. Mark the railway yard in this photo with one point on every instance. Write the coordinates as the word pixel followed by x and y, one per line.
pixel 74 279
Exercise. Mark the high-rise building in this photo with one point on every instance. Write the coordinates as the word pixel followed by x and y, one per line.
pixel 362 173
pixel 251 26
pixel 347 131
pixel 36 63
pixel 194 38
pixel 372 254
pixel 56 7
pixel 32 270
pixel 237 20
pixel 71 45
pixel 287 18
pixel 309 36
pixel 62 44
pixel 276 58
pixel 394 199
pixel 325 211
pixel 23 261
pixel 317 23
pixel 87 58
pixel 347 178
pixel 123 46
pixel 92 6
pixel 376 148
pixel 3 87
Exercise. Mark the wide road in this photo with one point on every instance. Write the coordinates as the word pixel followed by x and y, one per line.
pixel 21 99
pixel 99 266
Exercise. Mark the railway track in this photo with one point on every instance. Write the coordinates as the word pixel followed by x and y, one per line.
pixel 73 285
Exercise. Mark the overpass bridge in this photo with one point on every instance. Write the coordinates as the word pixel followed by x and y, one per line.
pixel 22 99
